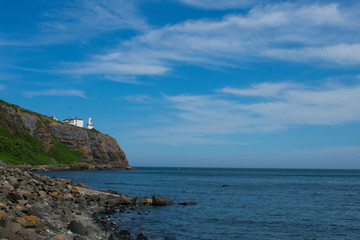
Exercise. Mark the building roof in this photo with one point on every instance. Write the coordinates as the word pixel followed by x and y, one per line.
pixel 74 118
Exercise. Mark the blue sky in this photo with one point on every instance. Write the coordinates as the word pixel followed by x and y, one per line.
pixel 196 83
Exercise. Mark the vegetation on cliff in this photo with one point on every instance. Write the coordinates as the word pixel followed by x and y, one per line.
pixel 30 138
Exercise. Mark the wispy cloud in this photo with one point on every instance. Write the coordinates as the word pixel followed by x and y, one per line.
pixel 140 98
pixel 311 33
pixel 198 118
pixel 224 4
pixel 79 20
pixel 56 92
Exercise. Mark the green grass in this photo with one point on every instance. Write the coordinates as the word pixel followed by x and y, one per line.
pixel 17 146
pixel 62 154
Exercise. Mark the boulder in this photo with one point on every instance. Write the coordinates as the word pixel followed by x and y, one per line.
pixel 78 228
pixel 12 226
pixel 27 234
pixel 6 234
pixel 14 196
pixel 138 201
pixel 161 201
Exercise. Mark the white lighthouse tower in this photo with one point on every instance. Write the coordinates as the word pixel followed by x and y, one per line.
pixel 90 124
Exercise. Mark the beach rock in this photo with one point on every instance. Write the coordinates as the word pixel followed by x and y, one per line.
pixel 161 201
pixel 30 221
pixel 77 227
pixel 28 235
pixel 14 196
pixel 12 226
pixel 7 234
pixel 39 210
pixel 78 237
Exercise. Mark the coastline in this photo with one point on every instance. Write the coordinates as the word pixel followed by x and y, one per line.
pixel 40 207
pixel 73 167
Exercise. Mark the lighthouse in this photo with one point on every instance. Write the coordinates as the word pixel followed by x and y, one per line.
pixel 90 124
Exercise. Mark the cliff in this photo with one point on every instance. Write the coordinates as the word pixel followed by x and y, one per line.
pixel 30 138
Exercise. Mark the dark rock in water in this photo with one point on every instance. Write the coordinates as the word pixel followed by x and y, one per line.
pixel 161 201
pixel 141 236
pixel 113 237
pixel 187 203
pixel 138 201
pixel 225 185
pixel 113 192
pixel 78 228
pixel 121 235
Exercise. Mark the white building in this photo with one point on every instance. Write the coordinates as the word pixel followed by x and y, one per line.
pixel 90 124
pixel 75 121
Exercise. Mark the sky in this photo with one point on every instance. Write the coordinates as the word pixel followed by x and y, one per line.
pixel 194 83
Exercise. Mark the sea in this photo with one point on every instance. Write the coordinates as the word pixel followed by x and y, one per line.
pixel 235 203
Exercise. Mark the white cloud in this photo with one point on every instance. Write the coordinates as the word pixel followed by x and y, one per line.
pixel 312 33
pixel 216 4
pixel 140 98
pixel 344 54
pixel 262 90
pixel 115 68
pixel 56 92
pixel 198 118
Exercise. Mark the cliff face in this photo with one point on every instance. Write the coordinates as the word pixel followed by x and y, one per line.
pixel 30 138
pixel 95 147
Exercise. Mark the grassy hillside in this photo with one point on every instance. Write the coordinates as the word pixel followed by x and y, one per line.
pixel 18 146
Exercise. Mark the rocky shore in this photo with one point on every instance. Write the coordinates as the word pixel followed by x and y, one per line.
pixel 40 207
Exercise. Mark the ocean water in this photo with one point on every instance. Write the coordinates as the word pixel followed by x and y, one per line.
pixel 257 204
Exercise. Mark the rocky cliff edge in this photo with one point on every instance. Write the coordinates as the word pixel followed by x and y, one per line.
pixel 31 139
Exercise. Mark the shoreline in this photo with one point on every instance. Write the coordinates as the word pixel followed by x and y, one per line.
pixel 74 167
pixel 40 207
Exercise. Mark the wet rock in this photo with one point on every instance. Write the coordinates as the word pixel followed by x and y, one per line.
pixel 161 201
pixel 225 185
pixel 187 203
pixel 77 227
pixel 140 201
pixel 113 237
pixel 124 235
pixel 113 192
pixel 141 236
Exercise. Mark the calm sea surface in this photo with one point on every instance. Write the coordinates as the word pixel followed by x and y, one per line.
pixel 257 204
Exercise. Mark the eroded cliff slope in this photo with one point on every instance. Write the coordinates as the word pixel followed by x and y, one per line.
pixel 30 138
